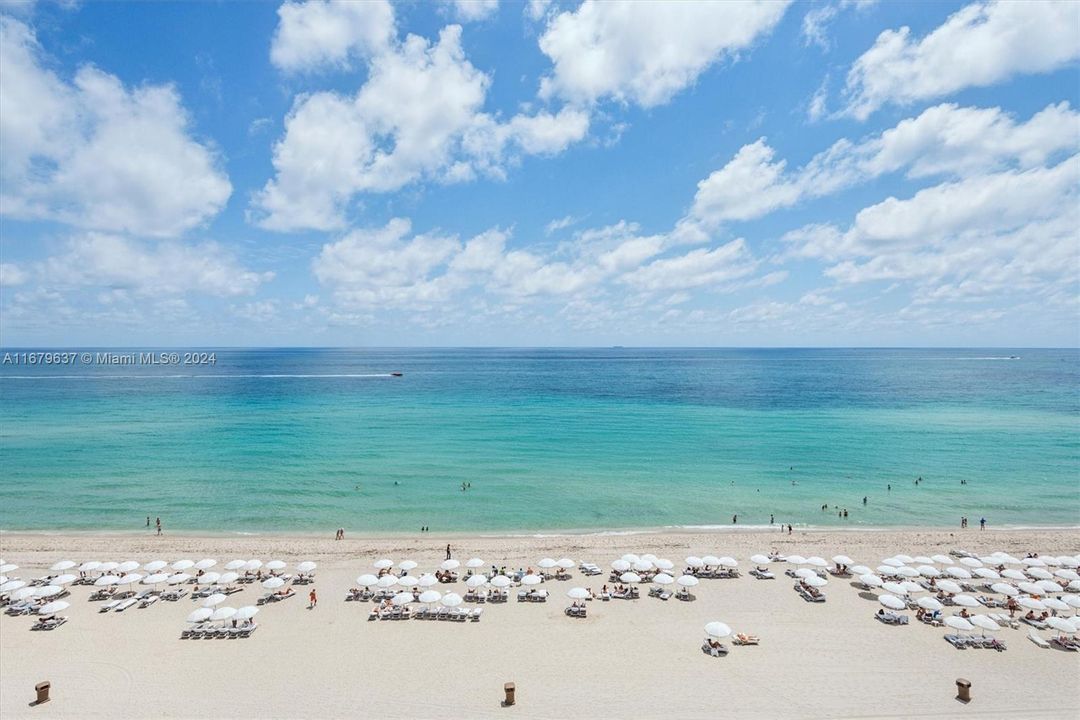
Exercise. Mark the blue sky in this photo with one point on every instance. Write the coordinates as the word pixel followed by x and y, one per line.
pixel 539 173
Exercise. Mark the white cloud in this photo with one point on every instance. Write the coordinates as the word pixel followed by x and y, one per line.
pixel 537 9
pixel 318 33
pixel 980 45
pixel 473 10
pixel 696 268
pixel 11 275
pixel 815 25
pixel 560 224
pixel 149 269
pixel 259 311
pixel 95 154
pixel 646 52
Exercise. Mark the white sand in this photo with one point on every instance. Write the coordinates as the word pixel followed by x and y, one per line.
pixel 628 659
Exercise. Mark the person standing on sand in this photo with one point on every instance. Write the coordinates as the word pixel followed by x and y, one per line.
pixel 982 524
pixel 147 521
pixel 313 599
pixel 447 551
pixel 772 520
pixel 789 529
pixel 159 526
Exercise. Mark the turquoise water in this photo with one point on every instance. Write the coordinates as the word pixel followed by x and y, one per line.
pixel 310 440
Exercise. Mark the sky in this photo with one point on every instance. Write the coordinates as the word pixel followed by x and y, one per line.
pixel 483 173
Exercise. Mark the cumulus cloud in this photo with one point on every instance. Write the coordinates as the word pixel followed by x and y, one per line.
pixel 93 153
pixel 645 52
pixel 11 275
pixel 317 34
pixel 980 45
pixel 473 10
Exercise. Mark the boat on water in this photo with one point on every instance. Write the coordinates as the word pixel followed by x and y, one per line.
pixel 396 374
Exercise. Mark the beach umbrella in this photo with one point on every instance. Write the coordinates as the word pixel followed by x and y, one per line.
pixel 728 562
pixel 805 573
pixel 904 558
pixel 200 615
pixel 62 565
pixel 928 571
pixel 3 579
pixel 547 563
pixel 577 593
pixel 231 565
pixel 223 613
pixel 475 581
pixel 1040 573
pixel 532 580
pixel 860 570
pixel 405 565
pixel 107 580
pixel 1069 562
pixel 475 563
pixel 796 559
pixel 710 560
pixel 664 564
pixel 8 567
pixel 949 586
pixel 887 570
pixel 1031 588
pixel 663 579
pixel 921 560
pixel 273 583
pixel 1013 574
pixel 1004 559
pixel 89 566
pixel 816 581
pixel 695 562
pixel 54 607
pixel 971 562
pixel 1033 562
pixel 717 630
pixel 1067 574
pixel 450 565
pixel 817 562
pixel 22 593
pixel 126 567
pixel 908 572
pixel 228 577
pixel 756 559
pixel 1074 585
pixel 893 562
pixel 942 559
pixel 912 587
pixel 892 602
pixel 131 579
pixel 177 578
pixel 986 573
pixel 247 612
pixel 985 623
pixel 155 578
pixel 990 560
pixel 958 572
pixel 65 579
pixel 207 563
pixel 965 601
pixel 958 623
pixel 649 556
pixel 620 565
pixel 1031 604
pixel 427 580
pixel 387 581
pixel 402 598
pixel 211 601
pixel 642 566
pixel 1055 604
pixel 430 596
pixel 895 588
pixel 12 585
pixel 367 580
pixel 154 566
pixel 870 580
pixel 308 566
pixel 209 578
pixel 1049 586
pixel 48 591
pixel 687 581
pixel 451 600
pixel 1072 601
pixel 181 565
pixel 630 577
pixel 1061 624
pixel 501 581
pixel 842 560
pixel 631 558
pixel 249 566
pixel 275 565
pixel 409 580
pixel 929 603
pixel 1005 589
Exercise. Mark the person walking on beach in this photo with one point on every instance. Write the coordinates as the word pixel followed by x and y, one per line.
pixel 789 529
pixel 147 521
pixel 159 526
pixel 447 551
pixel 982 524
pixel 313 599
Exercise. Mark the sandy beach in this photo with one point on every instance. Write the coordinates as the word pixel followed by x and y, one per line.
pixel 638 658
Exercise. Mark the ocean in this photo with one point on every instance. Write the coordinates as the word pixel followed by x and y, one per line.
pixel 546 440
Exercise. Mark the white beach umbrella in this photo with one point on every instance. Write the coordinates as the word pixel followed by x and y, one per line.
pixel 1040 573
pixel 870 580
pixel 717 630
pixel 620 565
pixel 22 593
pixel 892 602
pixel 177 578
pixel 155 578
pixel 107 580
pixel 958 623
pixel 796 559
pixel 709 560
pixel 427 580
pixel 921 560
pixel 207 563
pixel 249 566
pixel 181 565
pixel 908 572
pixel 89 566
pixel 906 559
pixel 450 565
pixel 895 588
pixel 1055 604
pixel 958 572
pixel 54 607
pixel 990 560
pixel 728 562
pixel 476 581
pixel 3 579
pixel 308 566
pixel 430 596
pixel 928 571
pixel 501 581
pixel 577 593
pixel 662 564
pixel 949 586
pixel 474 563
pixel 451 600
pixel 1048 586
pixel 756 559
pixel 631 558
pixel 547 563
pixel 1061 624
pixel 630 577
pixel 842 560
pixel 971 562
pixel 1074 585
pixel 1005 589
pixel 228 577
pixel 815 561
pixel 929 603
pixel 1013 574
pixel 126 567
pixel 402 598
pixel 154 566
pixel 942 559
pixel 275 565
pixel 642 566
pixel 663 579
pixel 687 581
pixel 986 573
pixel 231 565
pixel 8 567
pixel 816 581
pixel 886 570
pixel 223 613
pixel 12 585
pixel 62 565
pixel 215 599
pixel 409 580
pixel 1033 562
pixel 1030 588
pixel 1031 604
pixel 893 562
pixel 1067 574
pixel 387 581
pixel 405 565
pixel 131 579
pixel 1072 601
pixel 247 612
pixel 367 580
pixel 532 580
pixel 805 573
pixel 985 623
pixel 860 570
pixel 200 615
pixel 1070 562
pixel 965 601
pixel 649 556
pixel 695 562
pixel 912 587
pixel 209 578
pixel 65 579
pixel 273 583
pixel 1008 560
pixel 48 591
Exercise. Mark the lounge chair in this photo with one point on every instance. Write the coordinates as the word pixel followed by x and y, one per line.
pixel 523 595
pixel 1037 639
pixel 762 574
pixel 744 639
pixel 708 649
pixel 374 614
pixel 124 605
pixel 149 601
pixel 1064 642
pixel 476 613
